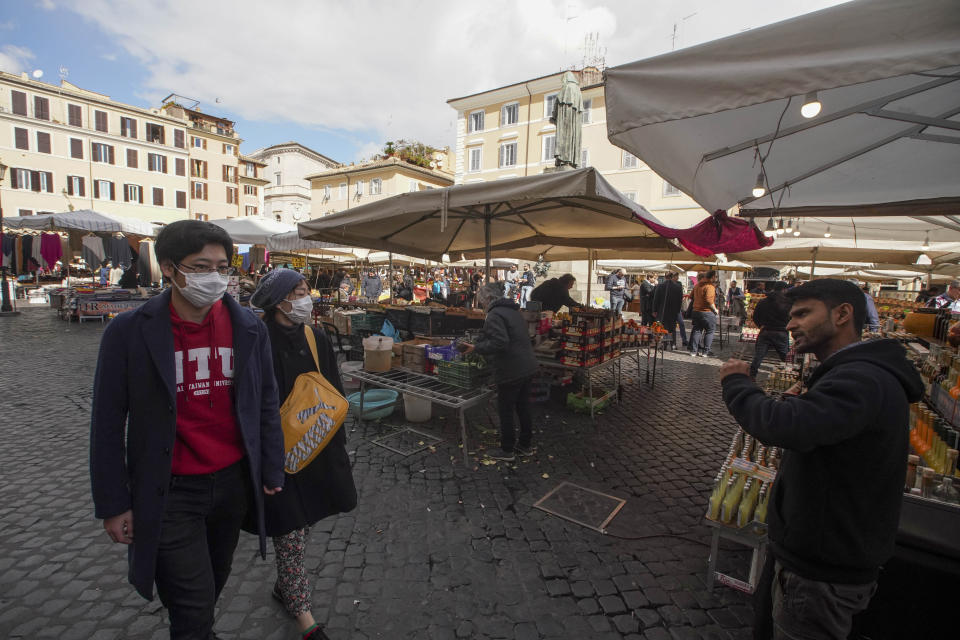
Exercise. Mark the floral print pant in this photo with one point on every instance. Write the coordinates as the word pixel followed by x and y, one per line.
pixel 292 581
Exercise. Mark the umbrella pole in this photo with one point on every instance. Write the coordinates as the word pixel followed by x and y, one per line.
pixel 390 277
pixel 813 263
pixel 486 244
pixel 589 275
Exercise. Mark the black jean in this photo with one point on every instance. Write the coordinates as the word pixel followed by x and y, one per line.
pixel 514 396
pixel 766 339
pixel 198 535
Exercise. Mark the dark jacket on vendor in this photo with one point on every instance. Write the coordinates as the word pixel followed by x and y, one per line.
pixel 324 487
pixel 772 313
pixel 667 300
pixel 134 421
pixel 506 342
pixel 552 294
pixel 372 287
pixel 835 507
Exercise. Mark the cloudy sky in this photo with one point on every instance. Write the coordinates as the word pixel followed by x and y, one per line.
pixel 343 77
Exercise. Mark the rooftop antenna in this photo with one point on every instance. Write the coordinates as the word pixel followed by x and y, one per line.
pixel 680 22
pixel 64 72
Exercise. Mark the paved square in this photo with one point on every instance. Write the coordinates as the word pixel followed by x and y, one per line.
pixel 434 549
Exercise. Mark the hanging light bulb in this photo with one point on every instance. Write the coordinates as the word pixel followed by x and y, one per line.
pixel 771 229
pixel 789 228
pixel 926 241
pixel 826 234
pixel 796 230
pixel 780 229
pixel 811 105
pixel 758 188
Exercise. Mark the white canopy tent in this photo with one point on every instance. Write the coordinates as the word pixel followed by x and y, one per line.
pixel 291 242
pixel 252 229
pixel 710 118
pixel 83 220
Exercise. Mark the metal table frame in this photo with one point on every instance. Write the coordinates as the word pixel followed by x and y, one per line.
pixel 749 536
pixel 618 374
pixel 429 388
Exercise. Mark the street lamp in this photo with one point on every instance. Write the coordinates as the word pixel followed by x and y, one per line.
pixel 6 309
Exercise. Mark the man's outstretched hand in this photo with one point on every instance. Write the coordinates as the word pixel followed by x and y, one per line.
pixel 734 366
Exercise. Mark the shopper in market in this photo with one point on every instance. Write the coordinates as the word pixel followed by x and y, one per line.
pixel 647 285
pixel 948 298
pixel 372 286
pixel 873 318
pixel 667 298
pixel 616 284
pixel 554 293
pixel 528 282
pixel 506 342
pixel 511 282
pixel 325 486
pixel 771 316
pixel 704 315
pixel 104 272
pixel 737 300
pixel 185 435
pixel 835 506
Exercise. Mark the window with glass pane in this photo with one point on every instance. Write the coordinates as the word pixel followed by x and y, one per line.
pixel 631 195
pixel 548 104
pixel 376 186
pixel 549 147
pixel 629 161
pixel 476 159
pixel 587 112
pixel 327 192
pixel 342 191
pixel 508 154
pixel 509 114
pixel 132 193
pixel 669 189
pixel 476 121
pixel 584 158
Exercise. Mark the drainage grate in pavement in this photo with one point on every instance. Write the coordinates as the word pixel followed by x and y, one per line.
pixel 586 507
pixel 407 441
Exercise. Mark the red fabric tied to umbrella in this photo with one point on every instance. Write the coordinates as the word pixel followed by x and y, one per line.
pixel 717 234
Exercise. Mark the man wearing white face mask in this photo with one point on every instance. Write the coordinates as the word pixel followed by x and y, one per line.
pixel 185 433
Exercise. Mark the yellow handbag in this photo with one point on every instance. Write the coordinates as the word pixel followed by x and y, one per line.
pixel 311 414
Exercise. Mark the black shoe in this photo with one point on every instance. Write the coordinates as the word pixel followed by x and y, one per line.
pixel 500 454
pixel 711 354
pixel 526 451
pixel 315 634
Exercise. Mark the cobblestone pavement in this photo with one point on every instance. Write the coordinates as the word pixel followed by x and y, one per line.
pixel 433 551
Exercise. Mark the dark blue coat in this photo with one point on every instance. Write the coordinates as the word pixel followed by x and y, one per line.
pixel 134 421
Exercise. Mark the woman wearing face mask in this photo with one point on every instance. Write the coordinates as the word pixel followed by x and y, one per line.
pixel 324 487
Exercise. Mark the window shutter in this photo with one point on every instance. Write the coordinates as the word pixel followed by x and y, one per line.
pixel 180 166
pixel 82 189
pixel 224 173
pixel 204 165
pixel 43 142
pixel 204 145
pixel 157 197
pixel 19 102
pixel 133 128
pixel 126 192
pixel 49 175
pixel 41 108
pixel 13 178
pixel 163 164
pixel 22 138
pixel 96 188
pixel 100 120
pixel 35 180
pixel 74 115
pixel 69 185
pixel 205 191
pixel 110 158
pixel 181 200
pixel 178 138
pixel 76 148
pixel 132 158
pixel 113 191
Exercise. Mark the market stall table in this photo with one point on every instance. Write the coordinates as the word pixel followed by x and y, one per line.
pixel 614 362
pixel 426 387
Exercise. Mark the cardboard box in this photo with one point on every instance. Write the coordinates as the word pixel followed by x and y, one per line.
pixel 342 320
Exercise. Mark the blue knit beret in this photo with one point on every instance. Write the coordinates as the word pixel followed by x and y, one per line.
pixel 274 287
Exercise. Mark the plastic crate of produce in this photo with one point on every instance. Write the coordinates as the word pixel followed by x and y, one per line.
pixel 467 375
pixel 446 352
pixel 601 399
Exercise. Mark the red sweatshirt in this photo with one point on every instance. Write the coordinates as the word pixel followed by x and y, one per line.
pixel 208 437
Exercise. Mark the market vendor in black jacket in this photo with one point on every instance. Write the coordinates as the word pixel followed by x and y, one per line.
pixel 554 293
pixel 185 437
pixel 506 342
pixel 835 507
pixel 325 486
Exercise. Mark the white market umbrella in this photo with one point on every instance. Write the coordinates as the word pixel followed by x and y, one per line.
pixel 710 118
pixel 252 229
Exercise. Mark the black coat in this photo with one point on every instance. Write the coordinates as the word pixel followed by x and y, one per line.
pixel 646 296
pixel 134 422
pixel 772 313
pixel 324 487
pixel 835 506
pixel 553 295
pixel 667 299
pixel 506 342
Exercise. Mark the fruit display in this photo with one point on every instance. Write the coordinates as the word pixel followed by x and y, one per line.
pixel 895 308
